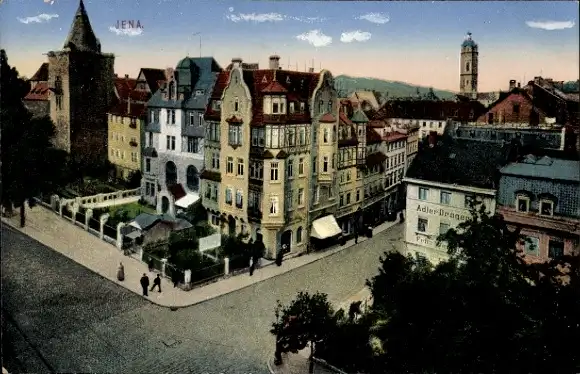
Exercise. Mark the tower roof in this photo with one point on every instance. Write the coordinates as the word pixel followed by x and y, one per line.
pixel 468 42
pixel 81 35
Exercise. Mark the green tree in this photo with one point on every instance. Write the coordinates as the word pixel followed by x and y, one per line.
pixel 307 320
pixel 30 164
pixel 484 310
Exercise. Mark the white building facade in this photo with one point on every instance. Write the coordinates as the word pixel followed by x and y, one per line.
pixel 433 208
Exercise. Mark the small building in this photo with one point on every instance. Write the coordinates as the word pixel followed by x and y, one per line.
pixel 541 196
pixel 152 227
pixel 37 101
pixel 441 183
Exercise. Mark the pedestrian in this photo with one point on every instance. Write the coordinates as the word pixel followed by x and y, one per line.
pixel 355 236
pixel 251 266
pixel 121 272
pixel 156 283
pixel 279 257
pixel 150 265
pixel 145 283
pixel 175 278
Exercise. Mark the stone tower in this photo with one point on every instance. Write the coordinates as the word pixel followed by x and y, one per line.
pixel 468 68
pixel 81 80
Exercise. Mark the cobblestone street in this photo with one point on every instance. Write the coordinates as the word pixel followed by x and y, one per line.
pixel 81 322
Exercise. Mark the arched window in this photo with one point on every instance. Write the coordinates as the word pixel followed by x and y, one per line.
pixel 467 66
pixel 171 90
pixel 299 235
pixel 192 178
pixel 170 174
pixel 164 204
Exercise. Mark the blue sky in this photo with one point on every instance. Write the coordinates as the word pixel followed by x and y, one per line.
pixel 417 42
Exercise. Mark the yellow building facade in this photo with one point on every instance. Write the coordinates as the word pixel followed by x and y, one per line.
pixel 125 123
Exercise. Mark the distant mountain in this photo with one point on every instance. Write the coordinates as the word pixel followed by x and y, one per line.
pixel 346 85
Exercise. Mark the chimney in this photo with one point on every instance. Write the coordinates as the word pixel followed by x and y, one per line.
pixel 237 62
pixel 512 84
pixel 432 138
pixel 311 70
pixel 519 85
pixel 126 76
pixel 275 62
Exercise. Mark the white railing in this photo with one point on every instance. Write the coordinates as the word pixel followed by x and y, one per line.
pixel 108 199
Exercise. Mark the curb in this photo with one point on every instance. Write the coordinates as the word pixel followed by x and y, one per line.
pixel 270 367
pixel 175 308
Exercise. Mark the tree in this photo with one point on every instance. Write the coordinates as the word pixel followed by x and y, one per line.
pixel 308 320
pixel 134 179
pixel 483 310
pixel 30 164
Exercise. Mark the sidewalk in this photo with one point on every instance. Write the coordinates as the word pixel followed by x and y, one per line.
pixel 89 251
pixel 298 363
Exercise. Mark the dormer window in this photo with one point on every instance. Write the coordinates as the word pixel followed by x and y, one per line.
pixel 547 208
pixel 522 204
pixel 216 105
pixel 198 92
pixel 291 108
pixel 236 104
pixel 302 107
pixel 275 108
pixel 320 106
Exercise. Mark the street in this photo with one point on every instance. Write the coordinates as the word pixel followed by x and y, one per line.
pixel 77 321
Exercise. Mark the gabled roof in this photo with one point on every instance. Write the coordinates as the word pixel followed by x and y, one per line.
pixel 122 109
pixel 41 74
pixel 274 87
pixel 359 117
pixel 81 36
pixel 373 137
pixel 154 77
pixel 124 87
pixel 39 92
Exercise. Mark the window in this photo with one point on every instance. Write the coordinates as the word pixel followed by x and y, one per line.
pixel 291 107
pixel 301 197
pixel 320 106
pixel 235 135
pixel 422 224
pixel 170 173
pixel 147 165
pixel 150 139
pixel 302 136
pixel 329 106
pixel 171 116
pixel 192 177
pixel 300 166
pixel 289 200
pixel 239 199
pixel 256 170
pixel 348 198
pixel 555 248
pixel 443 228
pixel 229 196
pixel 445 198
pixel 314 165
pixel 547 208
pixel 291 137
pixel 273 171
pixel 152 116
pixel 316 195
pixel 191 119
pixel 299 235
pixel 192 144
pixel 325 135
pixel 468 200
pixel 341 201
pixel 214 220
pixel 133 156
pixel 302 107
pixel 170 143
pixel 240 166
pixel 236 105
pixel 523 204
pixel 215 193
pixel 290 169
pixel 423 192
pixel 467 66
pixel 213 132
pixel 325 164
pixel 230 165
pixel 258 137
pixel 532 246
pixel 275 108
pixel 200 119
pixel 357 195
pixel 516 108
pixel 274 205
pixel 215 160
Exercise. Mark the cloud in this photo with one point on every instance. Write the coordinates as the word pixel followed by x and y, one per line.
pixel 355 36
pixel 316 38
pixel 551 25
pixel 378 18
pixel 127 32
pixel 38 19
pixel 49 2
pixel 306 19
pixel 255 17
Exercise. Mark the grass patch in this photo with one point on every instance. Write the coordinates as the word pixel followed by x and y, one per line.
pixel 132 209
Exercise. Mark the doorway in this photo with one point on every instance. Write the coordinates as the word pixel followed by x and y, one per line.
pixel 231 226
pixel 286 240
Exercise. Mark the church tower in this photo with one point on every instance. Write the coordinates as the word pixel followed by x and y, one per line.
pixel 468 68
pixel 81 80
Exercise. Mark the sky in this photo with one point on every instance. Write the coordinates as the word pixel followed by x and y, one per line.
pixel 415 42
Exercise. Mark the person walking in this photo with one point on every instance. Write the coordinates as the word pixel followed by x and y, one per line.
pixel 121 272
pixel 145 284
pixel 355 236
pixel 156 283
pixel 251 266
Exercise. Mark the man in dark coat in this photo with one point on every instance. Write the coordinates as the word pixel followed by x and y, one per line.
pixel 145 283
pixel 156 283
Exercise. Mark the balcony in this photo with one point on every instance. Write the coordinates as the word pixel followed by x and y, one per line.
pixel 254 214
pixel 133 143
pixel 325 177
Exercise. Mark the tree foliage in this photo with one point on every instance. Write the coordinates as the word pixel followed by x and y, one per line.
pixel 484 310
pixel 30 164
pixel 308 319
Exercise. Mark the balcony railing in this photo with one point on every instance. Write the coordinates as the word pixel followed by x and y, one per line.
pixel 254 213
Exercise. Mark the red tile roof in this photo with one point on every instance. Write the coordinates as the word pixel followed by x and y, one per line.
pixel 124 87
pixel 393 137
pixel 39 92
pixel 344 119
pixel 327 118
pixel 41 74
pixel 177 191
pixel 274 87
pixel 122 109
pixel 234 119
pixel 373 137
pixel 377 124
pixel 430 110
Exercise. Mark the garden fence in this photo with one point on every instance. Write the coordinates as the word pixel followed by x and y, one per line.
pixel 207 274
pixel 152 261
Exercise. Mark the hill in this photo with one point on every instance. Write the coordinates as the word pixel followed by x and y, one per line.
pixel 347 85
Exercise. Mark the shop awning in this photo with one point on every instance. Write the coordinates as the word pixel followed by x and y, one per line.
pixel 187 200
pixel 325 227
